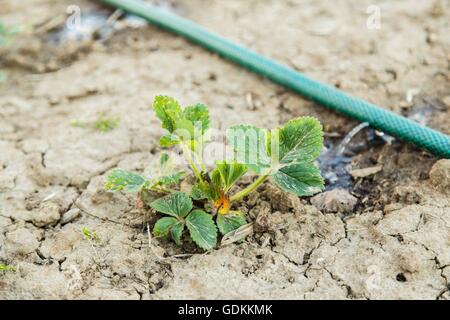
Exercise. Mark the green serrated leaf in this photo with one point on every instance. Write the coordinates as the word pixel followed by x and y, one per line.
pixel 229 222
pixel 198 193
pixel 177 204
pixel 300 179
pixel 202 229
pixel 168 110
pixel 164 159
pixel 300 140
pixel 228 173
pixel 163 172
pixel 176 232
pixel 198 115
pixel 287 153
pixel 127 181
pixel 163 226
pixel 205 190
pixel 169 225
pixel 185 129
pixel 249 145
pixel 169 140
pixel 184 125
pixel 171 179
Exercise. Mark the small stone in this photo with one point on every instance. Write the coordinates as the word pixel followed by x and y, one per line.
pixel 337 200
pixel 70 215
pixel 21 242
pixel 48 214
pixel 440 175
pixel 446 101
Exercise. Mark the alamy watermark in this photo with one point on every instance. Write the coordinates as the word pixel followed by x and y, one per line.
pixel 374 20
pixel 73 21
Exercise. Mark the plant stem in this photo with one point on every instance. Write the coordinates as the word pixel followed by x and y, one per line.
pixel 250 188
pixel 196 171
pixel 187 153
pixel 202 166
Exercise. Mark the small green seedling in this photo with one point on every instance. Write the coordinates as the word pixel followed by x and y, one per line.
pixel 106 124
pixel 90 235
pixel 286 155
pixel 103 124
pixel 6 35
pixel 6 268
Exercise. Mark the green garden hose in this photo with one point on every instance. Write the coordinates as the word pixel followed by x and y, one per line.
pixel 378 118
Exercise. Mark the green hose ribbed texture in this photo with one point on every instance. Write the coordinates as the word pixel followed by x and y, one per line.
pixel 379 118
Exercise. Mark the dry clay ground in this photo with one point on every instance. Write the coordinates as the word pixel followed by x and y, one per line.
pixel 394 244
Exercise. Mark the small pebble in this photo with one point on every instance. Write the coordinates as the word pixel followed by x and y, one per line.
pixel 70 215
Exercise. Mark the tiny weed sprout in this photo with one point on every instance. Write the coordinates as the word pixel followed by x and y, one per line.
pixel 103 124
pixel 90 235
pixel 6 268
pixel 7 34
pixel 285 155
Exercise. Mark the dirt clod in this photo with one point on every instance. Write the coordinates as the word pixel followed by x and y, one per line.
pixel 20 242
pixel 335 201
pixel 440 175
pixel 48 214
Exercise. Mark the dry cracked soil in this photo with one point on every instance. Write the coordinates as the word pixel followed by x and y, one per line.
pixel 385 235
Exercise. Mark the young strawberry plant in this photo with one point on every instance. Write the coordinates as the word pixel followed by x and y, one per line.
pixel 286 155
